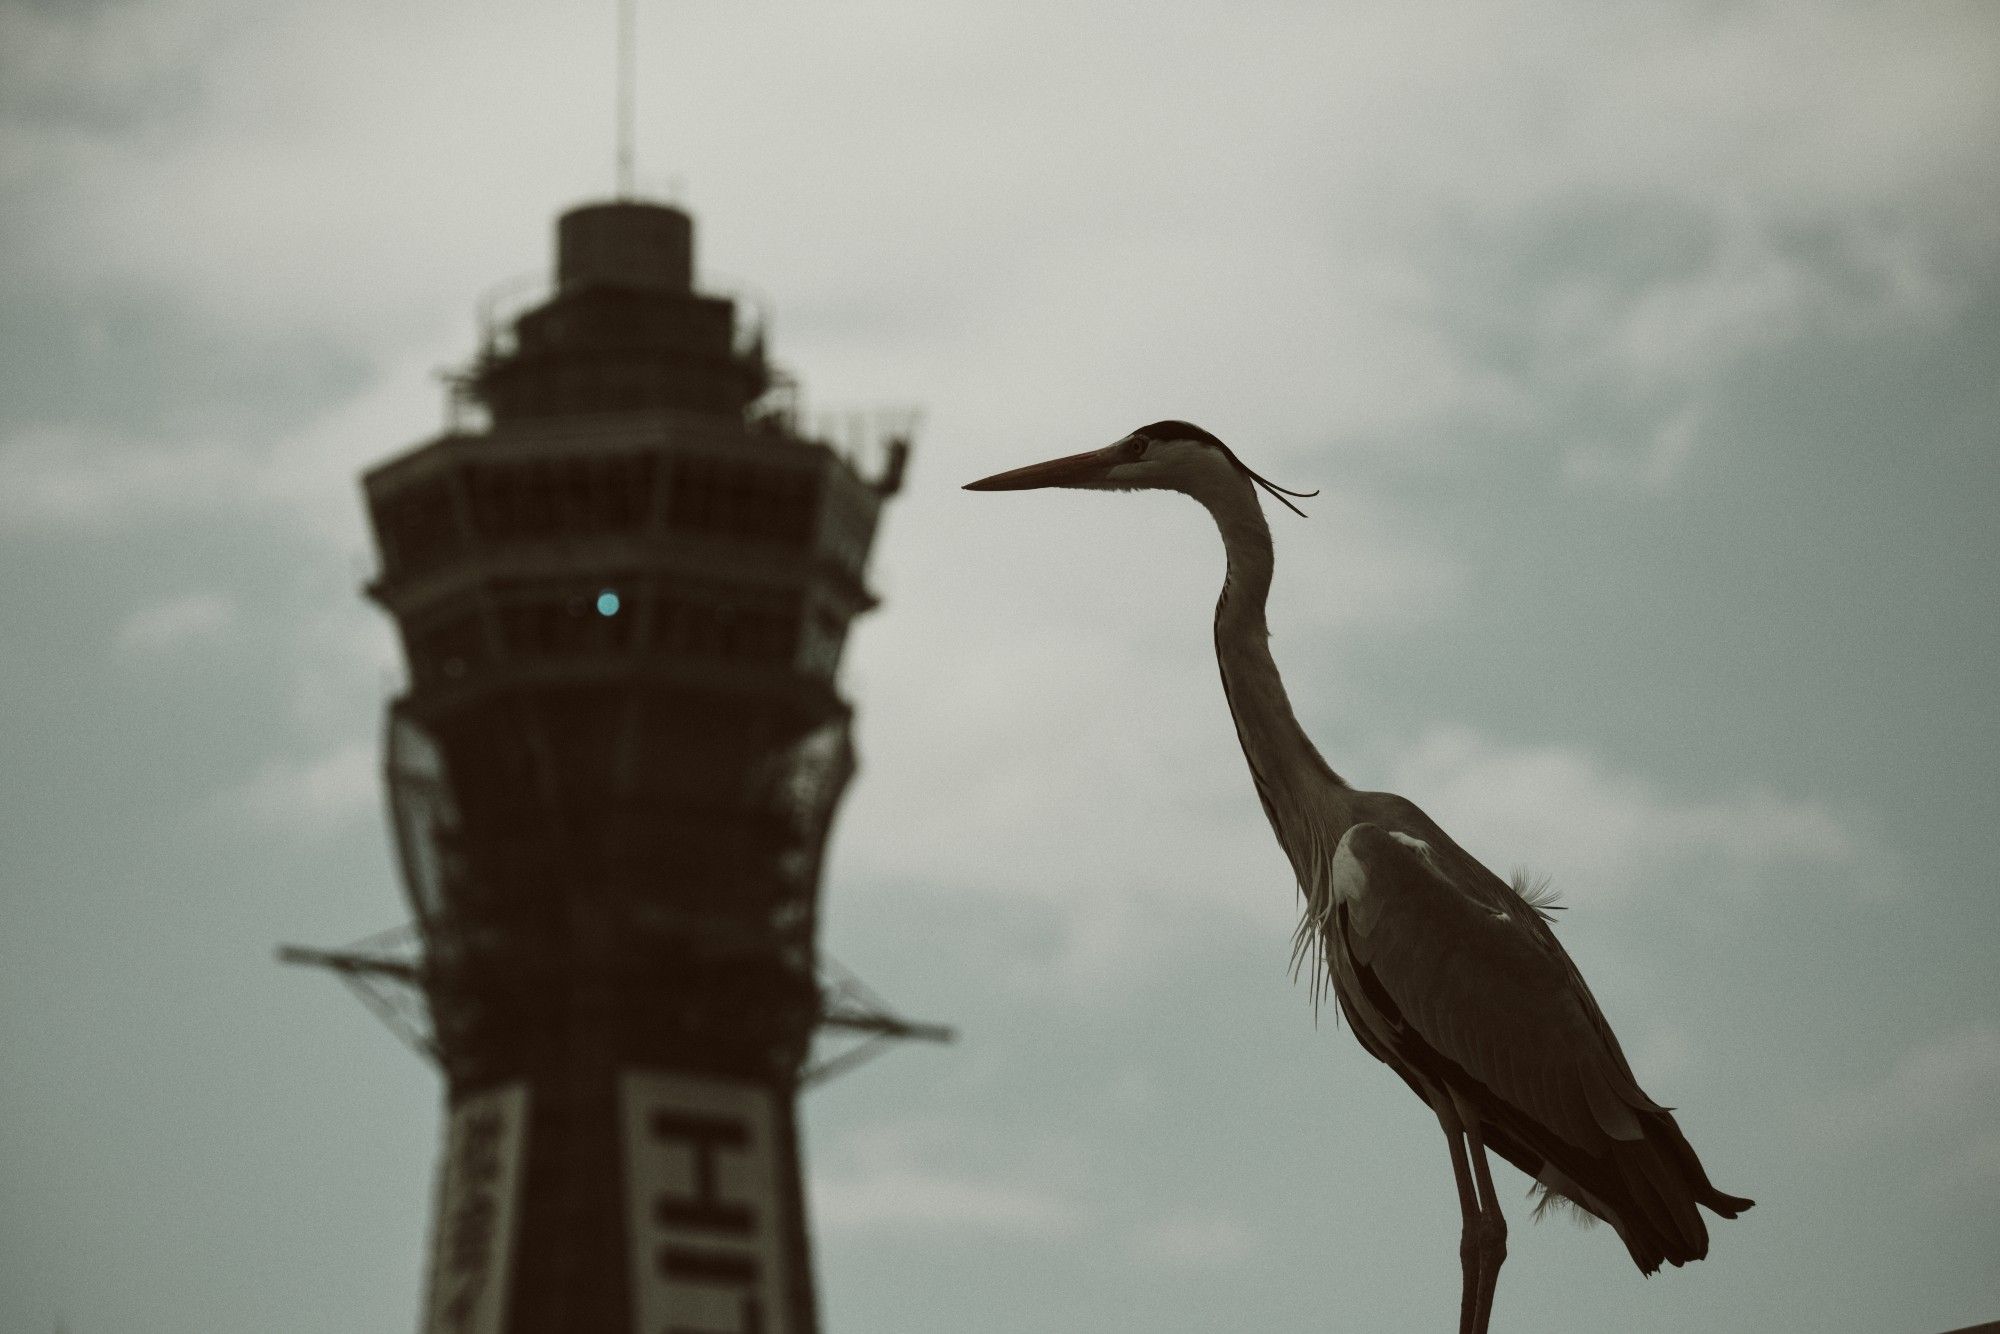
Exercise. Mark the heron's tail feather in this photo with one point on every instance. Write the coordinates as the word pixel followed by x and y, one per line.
pixel 1728 1206
pixel 1646 1189
pixel 1705 1194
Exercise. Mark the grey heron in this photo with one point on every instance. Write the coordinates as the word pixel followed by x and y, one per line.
pixel 1446 973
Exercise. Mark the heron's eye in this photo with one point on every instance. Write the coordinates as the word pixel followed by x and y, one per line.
pixel 1135 446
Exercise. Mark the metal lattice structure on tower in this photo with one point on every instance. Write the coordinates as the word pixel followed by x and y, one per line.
pixel 623 603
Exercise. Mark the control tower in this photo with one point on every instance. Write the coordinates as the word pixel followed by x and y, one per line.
pixel 623 601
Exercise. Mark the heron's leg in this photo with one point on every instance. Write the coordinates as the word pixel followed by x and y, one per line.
pixel 1492 1229
pixel 1469 1215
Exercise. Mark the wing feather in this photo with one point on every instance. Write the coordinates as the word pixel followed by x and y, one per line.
pixel 1457 983
pixel 1476 987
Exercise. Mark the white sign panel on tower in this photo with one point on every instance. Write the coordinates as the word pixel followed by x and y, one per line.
pixel 473 1237
pixel 704 1205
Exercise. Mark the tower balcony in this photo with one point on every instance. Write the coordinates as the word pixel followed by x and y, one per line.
pixel 657 545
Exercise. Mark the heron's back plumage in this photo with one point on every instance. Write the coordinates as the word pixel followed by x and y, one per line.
pixel 1458 984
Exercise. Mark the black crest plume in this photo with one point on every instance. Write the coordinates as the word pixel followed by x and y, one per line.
pixel 1180 430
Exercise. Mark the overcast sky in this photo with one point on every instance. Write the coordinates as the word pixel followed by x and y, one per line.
pixel 1644 355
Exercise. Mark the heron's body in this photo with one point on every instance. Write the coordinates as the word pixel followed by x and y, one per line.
pixel 1445 973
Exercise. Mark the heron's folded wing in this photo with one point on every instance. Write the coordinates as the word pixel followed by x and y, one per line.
pixel 1479 987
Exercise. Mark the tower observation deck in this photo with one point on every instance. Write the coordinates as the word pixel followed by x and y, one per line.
pixel 623 603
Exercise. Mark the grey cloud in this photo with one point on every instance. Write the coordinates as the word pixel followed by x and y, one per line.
pixel 177 622
pixel 1941 1091
pixel 1602 833
pixel 91 70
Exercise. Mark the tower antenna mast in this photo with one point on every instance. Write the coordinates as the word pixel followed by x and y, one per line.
pixel 627 23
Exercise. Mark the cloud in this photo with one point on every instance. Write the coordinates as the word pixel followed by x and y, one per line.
pixel 1195 1239
pixel 891 1181
pixel 1651 469
pixel 1600 832
pixel 176 622
pixel 345 660
pixel 87 70
pixel 912 1200
pixel 1655 317
pixel 1642 330
pixel 309 796
pixel 1943 1092
pixel 1954 1072
pixel 1662 1051
pixel 1454 216
pixel 56 479
pixel 64 478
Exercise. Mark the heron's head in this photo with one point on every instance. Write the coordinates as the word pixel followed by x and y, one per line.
pixel 1166 456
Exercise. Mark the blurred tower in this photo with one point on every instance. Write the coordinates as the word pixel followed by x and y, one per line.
pixel 612 777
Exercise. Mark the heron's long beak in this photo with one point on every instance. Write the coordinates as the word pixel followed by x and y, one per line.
pixel 1075 470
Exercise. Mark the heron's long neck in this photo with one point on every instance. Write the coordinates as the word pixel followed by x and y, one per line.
pixel 1284 763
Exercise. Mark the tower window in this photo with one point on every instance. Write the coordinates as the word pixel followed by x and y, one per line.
pixel 416 527
pixel 580 496
pixel 446 652
pixel 548 624
pixel 726 624
pixel 742 501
